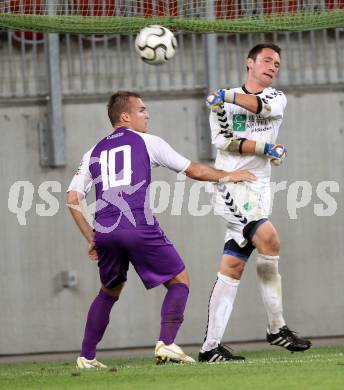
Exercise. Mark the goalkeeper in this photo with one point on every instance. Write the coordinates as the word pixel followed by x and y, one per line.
pixel 244 125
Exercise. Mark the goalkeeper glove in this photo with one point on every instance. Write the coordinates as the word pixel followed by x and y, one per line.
pixel 275 152
pixel 215 100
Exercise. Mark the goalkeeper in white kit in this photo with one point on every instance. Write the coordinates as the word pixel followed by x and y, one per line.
pixel 244 125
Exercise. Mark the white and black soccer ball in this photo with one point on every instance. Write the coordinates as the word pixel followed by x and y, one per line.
pixel 155 44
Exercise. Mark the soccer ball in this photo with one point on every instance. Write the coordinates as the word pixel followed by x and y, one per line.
pixel 155 44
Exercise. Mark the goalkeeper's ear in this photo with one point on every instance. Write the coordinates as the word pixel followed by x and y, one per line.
pixel 249 63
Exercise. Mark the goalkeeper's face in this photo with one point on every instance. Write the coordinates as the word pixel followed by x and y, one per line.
pixel 138 115
pixel 265 67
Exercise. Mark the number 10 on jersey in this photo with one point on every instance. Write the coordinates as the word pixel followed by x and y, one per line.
pixel 107 162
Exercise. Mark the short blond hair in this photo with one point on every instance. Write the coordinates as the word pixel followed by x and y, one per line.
pixel 120 102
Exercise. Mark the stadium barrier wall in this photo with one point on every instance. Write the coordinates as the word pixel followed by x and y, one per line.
pixel 39 315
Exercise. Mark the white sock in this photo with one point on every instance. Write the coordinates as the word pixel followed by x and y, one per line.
pixel 269 281
pixel 219 310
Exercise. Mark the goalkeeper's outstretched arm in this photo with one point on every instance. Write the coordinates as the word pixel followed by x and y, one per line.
pixel 266 108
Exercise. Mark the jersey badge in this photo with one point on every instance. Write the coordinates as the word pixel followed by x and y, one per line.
pixel 247 206
pixel 239 122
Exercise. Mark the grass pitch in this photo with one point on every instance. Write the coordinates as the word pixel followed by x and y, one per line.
pixel 318 368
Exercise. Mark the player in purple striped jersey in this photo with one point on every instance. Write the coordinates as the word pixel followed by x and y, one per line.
pixel 124 228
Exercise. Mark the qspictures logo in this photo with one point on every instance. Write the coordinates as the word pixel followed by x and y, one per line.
pixel 25 199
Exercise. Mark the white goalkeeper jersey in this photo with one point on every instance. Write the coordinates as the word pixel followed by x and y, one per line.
pixel 253 127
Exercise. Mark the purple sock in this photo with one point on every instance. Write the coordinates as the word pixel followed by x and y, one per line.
pixel 172 311
pixel 97 320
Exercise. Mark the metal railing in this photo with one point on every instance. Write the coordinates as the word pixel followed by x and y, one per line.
pixel 308 58
pixel 92 65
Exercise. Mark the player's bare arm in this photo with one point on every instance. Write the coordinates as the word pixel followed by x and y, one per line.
pixel 74 202
pixel 203 172
pixel 249 102
pixel 275 152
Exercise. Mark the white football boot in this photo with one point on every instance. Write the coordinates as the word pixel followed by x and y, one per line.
pixel 171 353
pixel 82 362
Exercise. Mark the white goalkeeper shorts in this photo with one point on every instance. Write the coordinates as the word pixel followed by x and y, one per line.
pixel 239 204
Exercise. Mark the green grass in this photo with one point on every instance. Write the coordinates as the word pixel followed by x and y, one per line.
pixel 319 368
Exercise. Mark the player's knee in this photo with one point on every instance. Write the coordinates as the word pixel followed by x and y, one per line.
pixel 270 244
pixel 277 244
pixel 274 244
pixel 182 277
pixel 113 291
pixel 236 271
pixel 232 267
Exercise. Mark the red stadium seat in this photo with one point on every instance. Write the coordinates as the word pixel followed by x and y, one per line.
pixel 26 7
pixel 94 7
pixel 331 4
pixel 28 37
